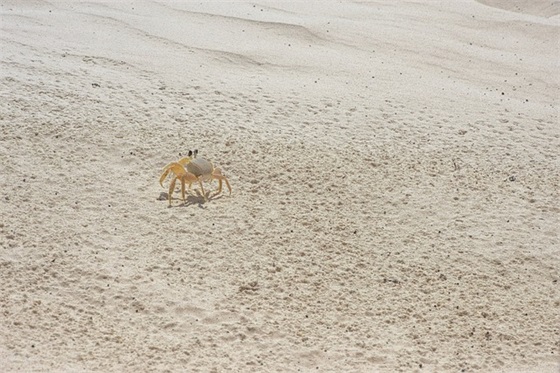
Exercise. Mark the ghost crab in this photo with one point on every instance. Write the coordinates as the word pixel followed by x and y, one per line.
pixel 191 169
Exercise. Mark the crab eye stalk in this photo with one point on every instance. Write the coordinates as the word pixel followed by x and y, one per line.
pixel 190 153
pixel 195 152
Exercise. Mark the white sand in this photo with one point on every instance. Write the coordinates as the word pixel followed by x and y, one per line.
pixel 395 175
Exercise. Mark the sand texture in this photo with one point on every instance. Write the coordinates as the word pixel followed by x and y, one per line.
pixel 395 172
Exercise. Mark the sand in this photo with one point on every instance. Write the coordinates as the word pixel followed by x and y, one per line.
pixel 395 178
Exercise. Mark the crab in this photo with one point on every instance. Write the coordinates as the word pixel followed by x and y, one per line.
pixel 191 169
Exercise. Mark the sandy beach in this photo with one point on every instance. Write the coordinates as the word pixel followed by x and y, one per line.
pixel 395 179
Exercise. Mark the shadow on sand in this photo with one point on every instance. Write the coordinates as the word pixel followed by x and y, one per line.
pixel 191 200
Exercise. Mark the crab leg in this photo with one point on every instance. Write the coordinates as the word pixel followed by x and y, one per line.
pixel 201 188
pixel 183 188
pixel 217 175
pixel 171 188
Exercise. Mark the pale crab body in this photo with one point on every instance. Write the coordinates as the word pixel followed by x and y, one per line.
pixel 201 167
pixel 191 169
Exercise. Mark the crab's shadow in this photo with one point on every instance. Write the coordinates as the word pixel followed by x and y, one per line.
pixel 192 200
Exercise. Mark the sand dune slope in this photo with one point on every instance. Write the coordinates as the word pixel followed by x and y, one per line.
pixel 538 8
pixel 395 179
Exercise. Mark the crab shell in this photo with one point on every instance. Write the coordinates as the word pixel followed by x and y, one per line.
pixel 200 167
